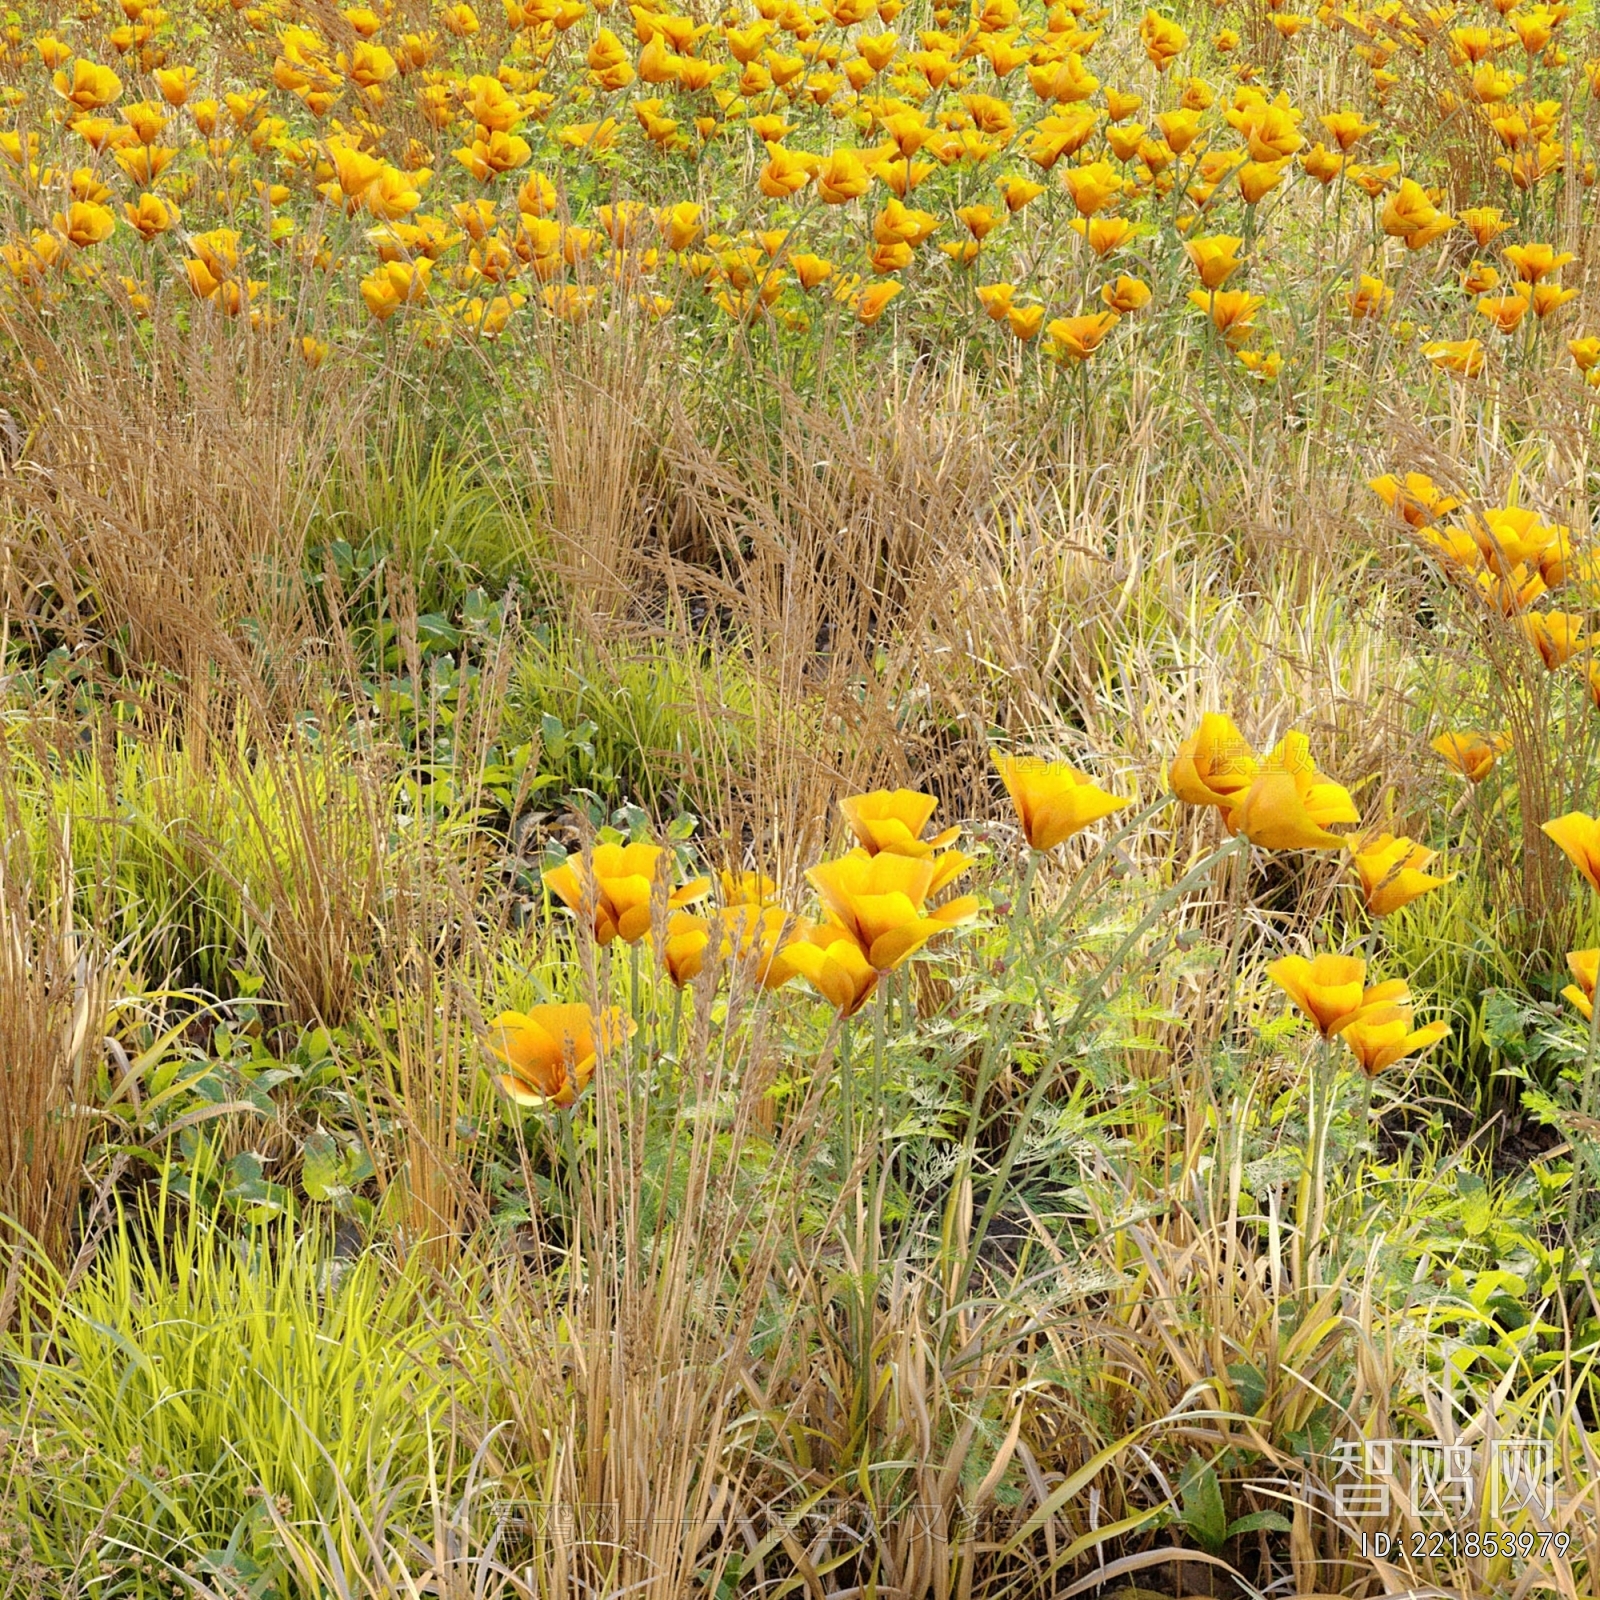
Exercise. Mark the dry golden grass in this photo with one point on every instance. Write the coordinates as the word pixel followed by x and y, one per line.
pixel 56 990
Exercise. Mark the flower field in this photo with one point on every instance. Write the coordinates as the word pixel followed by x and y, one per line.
pixel 799 800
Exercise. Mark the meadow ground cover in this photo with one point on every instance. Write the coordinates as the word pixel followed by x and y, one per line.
pixel 798 800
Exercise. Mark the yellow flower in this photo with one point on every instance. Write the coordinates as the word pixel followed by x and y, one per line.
pixel 1214 765
pixel 1289 804
pixel 1585 352
pixel 1126 295
pixel 1513 591
pixel 893 820
pixel 1370 297
pixel 1548 297
pixel 1231 311
pixel 680 224
pixel 394 284
pixel 1066 81
pixel 1216 258
pixel 85 224
pixel 683 953
pixel 1506 311
pixel 1579 838
pixel 873 301
pixel 551 1050
pixel 1391 871
pixel 811 270
pixel 1271 131
pixel 1472 754
pixel 1017 192
pixel 880 901
pixel 979 221
pixel 1484 223
pixel 487 157
pixel 89 86
pixel 761 935
pixel 833 963
pixel 842 177
pixel 1556 635
pixel 1162 38
pixel 1180 128
pixel 1053 800
pixel 1382 1035
pixel 786 172
pixel 1418 500
pixel 1511 535
pixel 1534 262
pixel 1103 235
pixel 1412 217
pixel 175 83
pixel 1093 187
pixel 1025 321
pixel 1584 965
pixel 1077 338
pixel 1257 179
pixel 393 194
pixel 1347 128
pixel 611 888
pixel 1328 989
pixel 1455 546
pixel 747 889
pixel 1464 357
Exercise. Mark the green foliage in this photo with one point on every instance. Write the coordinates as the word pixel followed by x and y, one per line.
pixel 651 723
pixel 425 508
pixel 192 1375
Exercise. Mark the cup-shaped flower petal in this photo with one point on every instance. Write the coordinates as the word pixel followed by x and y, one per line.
pixel 684 951
pixel 1329 989
pixel 1471 754
pixel 611 889
pixel 1213 765
pixel 1392 871
pixel 755 936
pixel 1077 338
pixel 1053 800
pixel 551 1050
pixel 1557 635
pixel 1417 498
pixel 1289 804
pixel 831 961
pixel 893 820
pixel 881 902
pixel 1511 536
pixel 1579 838
pixel 1464 357
pixel 1216 258
pixel 748 889
pixel 948 865
pixel 1382 1035
pixel 1232 311
pixel 1584 965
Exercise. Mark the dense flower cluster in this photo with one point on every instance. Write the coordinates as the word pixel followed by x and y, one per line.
pixel 879 905
pixel 1040 166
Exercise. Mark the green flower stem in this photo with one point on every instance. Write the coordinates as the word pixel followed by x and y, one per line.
pixel 847 1096
pixel 1022 896
pixel 677 1023
pixel 1586 1105
pixel 1311 1202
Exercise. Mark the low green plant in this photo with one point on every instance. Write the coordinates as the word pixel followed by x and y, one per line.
pixel 650 722
pixel 196 1384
